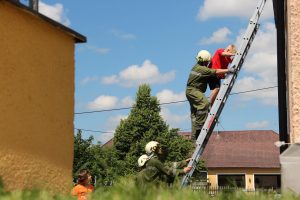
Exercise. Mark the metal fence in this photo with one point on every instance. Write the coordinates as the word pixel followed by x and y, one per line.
pixel 205 187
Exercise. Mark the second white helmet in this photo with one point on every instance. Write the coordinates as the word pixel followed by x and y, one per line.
pixel 142 160
pixel 203 56
pixel 151 147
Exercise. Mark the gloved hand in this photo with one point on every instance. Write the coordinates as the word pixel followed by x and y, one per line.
pixel 232 70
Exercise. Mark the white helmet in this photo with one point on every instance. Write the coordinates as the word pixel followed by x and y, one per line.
pixel 151 147
pixel 203 56
pixel 142 160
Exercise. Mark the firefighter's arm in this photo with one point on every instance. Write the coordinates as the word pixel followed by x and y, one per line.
pixel 169 171
pixel 181 164
pixel 227 54
pixel 221 71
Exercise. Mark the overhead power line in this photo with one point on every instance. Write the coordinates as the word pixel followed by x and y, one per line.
pixel 95 131
pixel 98 131
pixel 173 102
pixel 247 91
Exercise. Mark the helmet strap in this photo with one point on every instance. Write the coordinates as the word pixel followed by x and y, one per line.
pixel 152 155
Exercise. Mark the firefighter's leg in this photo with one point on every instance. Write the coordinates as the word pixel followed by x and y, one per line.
pixel 201 114
pixel 193 120
pixel 199 109
pixel 191 98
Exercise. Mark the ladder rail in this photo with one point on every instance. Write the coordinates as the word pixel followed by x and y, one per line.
pixel 224 92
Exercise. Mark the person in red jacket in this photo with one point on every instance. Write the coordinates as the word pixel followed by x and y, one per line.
pixel 221 59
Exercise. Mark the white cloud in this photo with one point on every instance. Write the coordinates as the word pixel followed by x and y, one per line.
pixel 135 75
pixel 260 67
pixel 113 79
pixel 95 49
pixel 88 79
pixel 122 35
pixel 267 96
pixel 109 102
pixel 103 102
pixel 166 96
pixel 99 50
pixel 127 102
pixel 258 124
pixel 114 121
pixel 55 12
pixel 219 36
pixel 174 120
pixel 232 8
pixel 263 64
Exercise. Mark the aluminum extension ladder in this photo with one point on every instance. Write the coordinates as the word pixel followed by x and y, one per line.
pixel 224 92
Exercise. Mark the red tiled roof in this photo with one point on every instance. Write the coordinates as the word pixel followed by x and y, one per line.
pixel 108 144
pixel 253 149
pixel 246 149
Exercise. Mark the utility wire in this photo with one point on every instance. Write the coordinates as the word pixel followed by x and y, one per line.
pixel 98 131
pixel 247 91
pixel 173 102
pixel 87 130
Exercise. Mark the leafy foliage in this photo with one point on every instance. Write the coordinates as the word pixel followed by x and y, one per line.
pixel 89 156
pixel 145 124
pixel 142 125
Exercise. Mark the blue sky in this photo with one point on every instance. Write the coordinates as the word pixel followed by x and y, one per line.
pixel 131 42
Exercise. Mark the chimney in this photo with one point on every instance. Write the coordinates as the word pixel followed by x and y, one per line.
pixel 34 5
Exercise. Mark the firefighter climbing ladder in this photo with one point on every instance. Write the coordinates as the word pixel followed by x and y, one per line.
pixel 224 92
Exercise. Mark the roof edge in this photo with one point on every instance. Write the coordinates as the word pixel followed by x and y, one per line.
pixel 79 38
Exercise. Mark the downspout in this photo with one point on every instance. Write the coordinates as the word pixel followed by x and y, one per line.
pixel 34 5
pixel 280 20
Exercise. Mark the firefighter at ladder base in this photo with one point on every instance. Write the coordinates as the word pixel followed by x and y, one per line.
pixel 196 87
pixel 155 171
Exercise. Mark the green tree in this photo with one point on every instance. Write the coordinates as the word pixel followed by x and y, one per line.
pixel 82 155
pixel 144 124
pixel 89 156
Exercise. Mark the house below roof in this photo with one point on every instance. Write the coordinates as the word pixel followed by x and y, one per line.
pixel 37 100
pixel 249 159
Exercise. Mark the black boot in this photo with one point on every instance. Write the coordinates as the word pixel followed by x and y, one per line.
pixel 197 133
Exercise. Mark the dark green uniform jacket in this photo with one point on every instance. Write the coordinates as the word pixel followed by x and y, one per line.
pixel 156 172
pixel 198 77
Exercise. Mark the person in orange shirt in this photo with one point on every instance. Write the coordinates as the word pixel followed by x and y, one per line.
pixel 221 59
pixel 83 187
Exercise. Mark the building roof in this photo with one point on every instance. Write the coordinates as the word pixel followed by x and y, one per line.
pixel 238 149
pixel 249 149
pixel 108 144
pixel 77 36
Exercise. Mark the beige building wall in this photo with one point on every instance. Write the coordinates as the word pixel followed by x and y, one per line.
pixel 36 102
pixel 249 175
pixel 293 49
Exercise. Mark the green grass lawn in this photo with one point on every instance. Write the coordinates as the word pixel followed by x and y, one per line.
pixel 125 189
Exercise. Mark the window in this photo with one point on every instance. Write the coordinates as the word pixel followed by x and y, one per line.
pixel 203 175
pixel 232 180
pixel 267 181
